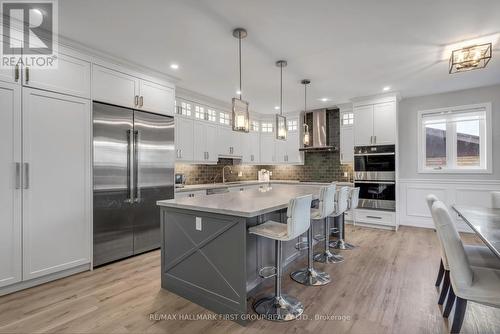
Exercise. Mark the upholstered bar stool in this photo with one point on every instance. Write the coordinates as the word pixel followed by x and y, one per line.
pixel 477 255
pixel 468 283
pixel 327 256
pixel 352 205
pixel 310 276
pixel 280 307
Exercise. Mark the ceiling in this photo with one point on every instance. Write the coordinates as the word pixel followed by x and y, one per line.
pixel 347 48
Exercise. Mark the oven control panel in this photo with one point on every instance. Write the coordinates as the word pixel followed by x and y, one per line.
pixel 389 149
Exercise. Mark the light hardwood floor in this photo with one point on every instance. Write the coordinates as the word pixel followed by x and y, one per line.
pixel 386 285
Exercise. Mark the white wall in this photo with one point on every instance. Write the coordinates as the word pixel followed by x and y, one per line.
pixel 461 189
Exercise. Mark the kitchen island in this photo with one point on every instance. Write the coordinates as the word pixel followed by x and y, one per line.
pixel 208 256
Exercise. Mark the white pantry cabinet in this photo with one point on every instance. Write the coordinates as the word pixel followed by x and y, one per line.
pixel 72 77
pixel 205 142
pixel 114 87
pixel 10 184
pixel 184 136
pixel 375 124
pixel 56 182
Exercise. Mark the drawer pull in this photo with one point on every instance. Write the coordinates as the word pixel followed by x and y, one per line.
pixel 374 217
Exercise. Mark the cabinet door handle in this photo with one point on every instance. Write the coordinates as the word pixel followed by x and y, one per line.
pixel 27 74
pixel 136 100
pixel 374 139
pixel 180 153
pixel 374 217
pixel 141 101
pixel 208 155
pixel 18 175
pixel 16 73
pixel 26 181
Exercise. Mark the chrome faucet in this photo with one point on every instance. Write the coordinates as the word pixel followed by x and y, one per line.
pixel 224 175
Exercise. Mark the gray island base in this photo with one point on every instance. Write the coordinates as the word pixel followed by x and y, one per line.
pixel 207 254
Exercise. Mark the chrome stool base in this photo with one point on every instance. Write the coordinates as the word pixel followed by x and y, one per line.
pixel 341 244
pixel 328 257
pixel 311 277
pixel 283 308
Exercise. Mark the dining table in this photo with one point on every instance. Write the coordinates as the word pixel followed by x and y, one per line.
pixel 485 222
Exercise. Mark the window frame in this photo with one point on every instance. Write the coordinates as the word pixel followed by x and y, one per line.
pixel 486 141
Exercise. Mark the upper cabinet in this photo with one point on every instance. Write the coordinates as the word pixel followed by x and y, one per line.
pixel 346 137
pixel 114 87
pixel 375 123
pixel 122 89
pixel 71 77
pixel 184 136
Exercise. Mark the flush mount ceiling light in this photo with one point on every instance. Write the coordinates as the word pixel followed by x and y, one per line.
pixel 277 108
pixel 281 130
pixel 470 58
pixel 324 99
pixel 386 88
pixel 241 116
pixel 174 66
pixel 307 138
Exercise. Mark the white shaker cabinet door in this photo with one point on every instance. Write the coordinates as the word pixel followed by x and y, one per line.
pixel 199 143
pixel 293 155
pixel 10 184
pixel 363 125
pixel 346 144
pixel 211 142
pixel 267 149
pixel 72 77
pixel 57 190
pixel 384 123
pixel 114 87
pixel 225 141
pixel 184 135
pixel 156 98
pixel 10 74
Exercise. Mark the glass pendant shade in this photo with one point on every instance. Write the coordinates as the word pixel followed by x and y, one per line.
pixel 281 130
pixel 241 116
pixel 307 138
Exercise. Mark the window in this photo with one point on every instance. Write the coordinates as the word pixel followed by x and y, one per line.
pixel 455 140
pixel 348 118
pixel 255 126
pixel 267 127
pixel 183 109
pixel 199 112
pixel 293 125
pixel 211 115
pixel 224 118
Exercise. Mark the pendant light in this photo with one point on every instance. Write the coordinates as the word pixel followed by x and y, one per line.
pixel 281 130
pixel 307 138
pixel 241 116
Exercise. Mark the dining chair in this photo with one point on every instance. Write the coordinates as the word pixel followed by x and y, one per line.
pixel 495 199
pixel 468 283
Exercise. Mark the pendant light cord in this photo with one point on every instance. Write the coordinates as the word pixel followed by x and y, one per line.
pixel 239 56
pixel 281 90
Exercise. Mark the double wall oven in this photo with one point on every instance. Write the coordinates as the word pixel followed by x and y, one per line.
pixel 375 175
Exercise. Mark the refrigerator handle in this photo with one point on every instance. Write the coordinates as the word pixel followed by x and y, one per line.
pixel 136 195
pixel 129 171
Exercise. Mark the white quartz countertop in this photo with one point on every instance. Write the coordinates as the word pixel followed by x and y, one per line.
pixel 249 203
pixel 205 186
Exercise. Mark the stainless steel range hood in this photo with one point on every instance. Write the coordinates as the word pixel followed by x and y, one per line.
pixel 320 131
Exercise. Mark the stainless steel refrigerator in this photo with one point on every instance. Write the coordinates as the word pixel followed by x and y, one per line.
pixel 133 168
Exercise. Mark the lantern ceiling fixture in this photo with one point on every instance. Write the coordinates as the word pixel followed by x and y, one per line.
pixel 470 58
pixel 307 138
pixel 281 130
pixel 241 116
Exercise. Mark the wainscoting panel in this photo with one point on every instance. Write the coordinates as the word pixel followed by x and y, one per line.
pixel 413 210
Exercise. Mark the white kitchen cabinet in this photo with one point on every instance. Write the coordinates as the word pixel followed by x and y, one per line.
pixel 156 98
pixel 230 143
pixel 72 77
pixel 57 190
pixel 238 143
pixel 267 148
pixel 363 125
pixel 184 136
pixel 11 75
pixel 280 151
pixel 10 184
pixel 251 148
pixel 384 123
pixel 292 145
pixel 375 124
pixel 205 142
pixel 346 144
pixel 114 87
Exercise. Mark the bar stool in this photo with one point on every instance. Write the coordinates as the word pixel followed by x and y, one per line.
pixel 310 276
pixel 280 307
pixel 327 256
pixel 352 204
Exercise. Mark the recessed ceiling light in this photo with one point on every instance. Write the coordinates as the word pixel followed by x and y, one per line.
pixel 277 108
pixel 324 99
pixel 387 88
pixel 174 66
pixel 238 92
